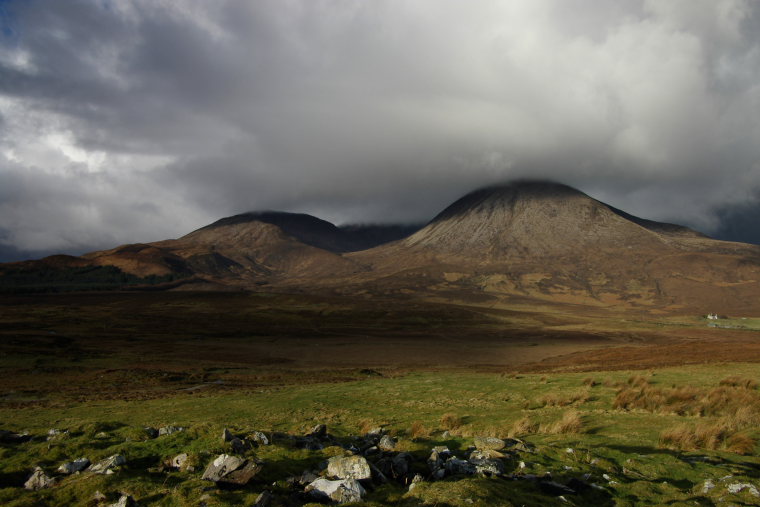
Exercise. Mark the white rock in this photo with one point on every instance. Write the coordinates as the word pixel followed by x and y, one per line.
pixel 105 466
pixel 74 466
pixel 738 487
pixel 342 491
pixel 349 467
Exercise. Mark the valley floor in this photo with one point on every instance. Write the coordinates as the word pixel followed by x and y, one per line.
pixel 627 409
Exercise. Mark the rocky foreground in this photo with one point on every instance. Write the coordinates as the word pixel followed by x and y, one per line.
pixel 358 465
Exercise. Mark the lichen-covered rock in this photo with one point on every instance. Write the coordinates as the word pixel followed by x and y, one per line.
pixel 107 465
pixel 259 437
pixel 178 461
pixel 487 466
pixel 168 430
pixel 738 487
pixel 341 491
pixel 349 467
pixel 492 443
pixel 456 466
pixel 39 480
pixel 124 501
pixel 387 443
pixel 263 500
pixel 227 435
pixel 318 431
pixel 231 470
pixel 75 466
pixel 239 446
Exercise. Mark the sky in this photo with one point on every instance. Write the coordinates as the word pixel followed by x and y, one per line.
pixel 128 121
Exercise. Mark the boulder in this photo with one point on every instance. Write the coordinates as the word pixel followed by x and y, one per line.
pixel 227 436
pixel 438 457
pixel 38 480
pixel 487 466
pixel 415 480
pixel 178 461
pixel 107 465
pixel 489 443
pixel 456 466
pixel 349 467
pixel 387 443
pixel 341 491
pixel 318 431
pixel 263 500
pixel 231 470
pixel 259 437
pixel 75 466
pixel 168 430
pixel 124 501
pixel 239 446
pixel 151 431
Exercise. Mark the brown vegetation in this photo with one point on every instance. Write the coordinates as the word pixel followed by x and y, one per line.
pixel 451 421
pixel 571 422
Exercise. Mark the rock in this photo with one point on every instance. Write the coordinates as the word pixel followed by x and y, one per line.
pixel 168 430
pixel 342 491
pixel 107 465
pixel 318 431
pixel 486 454
pixel 377 431
pixel 487 466
pixel 227 436
pixel 738 487
pixel 99 497
pixel 415 480
pixel 239 446
pixel 491 443
pixel 446 435
pixel 437 457
pixel 151 432
pixel 10 437
pixel 231 470
pixel 178 461
pixel 309 443
pixel 349 467
pixel 102 435
pixel 578 485
pixel 555 488
pixel 456 466
pixel 263 500
pixel 55 434
pixel 75 466
pixel 124 501
pixel 400 464
pixel 38 480
pixel 259 437
pixel 387 443
pixel 439 474
pixel 371 451
pixel 707 486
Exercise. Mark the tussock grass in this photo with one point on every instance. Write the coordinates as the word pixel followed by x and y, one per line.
pixel 451 421
pixel 563 399
pixel 571 422
pixel 523 426
pixel 737 381
pixel 418 430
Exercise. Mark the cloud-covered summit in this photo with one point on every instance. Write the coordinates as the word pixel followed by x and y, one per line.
pixel 138 120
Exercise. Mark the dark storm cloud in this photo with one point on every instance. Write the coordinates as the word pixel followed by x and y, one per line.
pixel 137 120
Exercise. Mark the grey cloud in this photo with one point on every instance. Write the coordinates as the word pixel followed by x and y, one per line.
pixel 368 111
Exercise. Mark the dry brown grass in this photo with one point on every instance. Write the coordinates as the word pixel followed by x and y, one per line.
pixel 590 382
pixel 571 422
pixel 687 400
pixel 560 399
pixel 451 421
pixel 418 430
pixel 737 381
pixel 523 426
pixel 638 380
pixel 721 434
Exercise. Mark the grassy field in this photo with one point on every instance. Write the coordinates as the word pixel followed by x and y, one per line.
pixel 102 368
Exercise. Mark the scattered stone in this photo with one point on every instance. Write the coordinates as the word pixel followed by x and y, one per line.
pixel 55 434
pixel 263 500
pixel 231 470
pixel 39 480
pixel 259 437
pixel 151 432
pixel 707 486
pixel 555 488
pixel 10 437
pixel 342 491
pixel 75 466
pixel 486 454
pixel 415 480
pixel 349 467
pixel 107 465
pixel 738 487
pixel 491 443
pixel 446 435
pixel 239 446
pixel 521 465
pixel 227 436
pixel 178 461
pixel 456 466
pixel 124 501
pixel 168 430
pixel 487 466
pixel 102 436
pixel 578 485
pixel 98 497
pixel 400 464
pixel 387 443
pixel 377 431
pixel 318 431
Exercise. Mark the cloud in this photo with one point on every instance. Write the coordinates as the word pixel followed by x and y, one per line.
pixel 158 117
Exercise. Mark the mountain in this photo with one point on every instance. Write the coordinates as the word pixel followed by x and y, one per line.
pixel 534 239
pixel 549 241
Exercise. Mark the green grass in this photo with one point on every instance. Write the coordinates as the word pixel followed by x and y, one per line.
pixel 622 444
